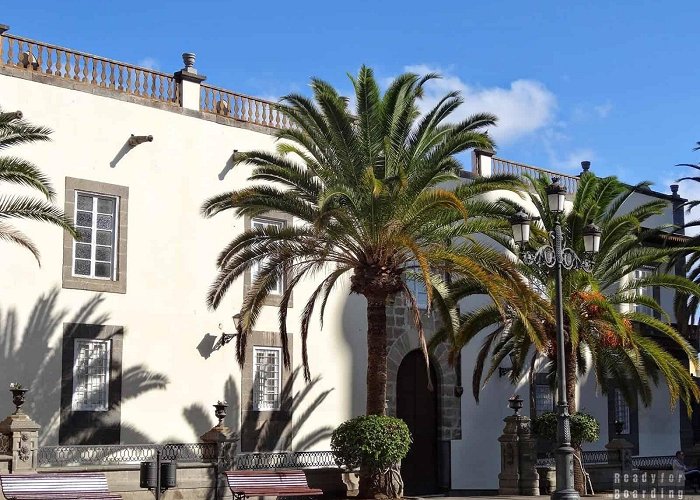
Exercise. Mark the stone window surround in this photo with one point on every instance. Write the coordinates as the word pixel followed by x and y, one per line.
pixel 633 436
pixel 280 417
pixel 273 216
pixel 96 285
pixel 73 421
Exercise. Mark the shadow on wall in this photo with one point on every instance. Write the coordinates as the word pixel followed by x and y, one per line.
pixel 354 328
pixel 33 358
pixel 262 433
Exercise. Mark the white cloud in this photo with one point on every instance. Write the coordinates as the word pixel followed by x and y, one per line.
pixel 571 161
pixel 149 63
pixel 603 110
pixel 524 107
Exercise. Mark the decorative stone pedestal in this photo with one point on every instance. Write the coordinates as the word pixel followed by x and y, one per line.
pixel 518 457
pixel 509 477
pixel 23 433
pixel 529 481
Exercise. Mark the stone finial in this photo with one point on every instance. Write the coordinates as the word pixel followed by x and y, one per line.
pixel 674 191
pixel 188 58
pixel 586 165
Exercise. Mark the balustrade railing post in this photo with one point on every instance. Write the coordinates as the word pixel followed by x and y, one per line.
pixel 482 162
pixel 189 83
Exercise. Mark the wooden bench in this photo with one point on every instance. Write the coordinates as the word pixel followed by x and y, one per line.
pixel 78 486
pixel 254 483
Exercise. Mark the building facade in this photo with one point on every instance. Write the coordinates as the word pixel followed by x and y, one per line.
pixel 113 335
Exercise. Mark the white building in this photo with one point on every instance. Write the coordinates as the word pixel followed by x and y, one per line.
pixel 113 335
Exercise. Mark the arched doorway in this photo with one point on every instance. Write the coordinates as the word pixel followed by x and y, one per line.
pixel 418 407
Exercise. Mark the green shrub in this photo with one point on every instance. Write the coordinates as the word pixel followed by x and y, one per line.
pixel 372 441
pixel 584 428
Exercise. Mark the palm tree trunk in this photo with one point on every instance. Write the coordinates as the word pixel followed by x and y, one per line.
pixel 571 379
pixel 377 352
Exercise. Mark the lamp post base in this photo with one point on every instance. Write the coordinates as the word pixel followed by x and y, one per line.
pixel 570 494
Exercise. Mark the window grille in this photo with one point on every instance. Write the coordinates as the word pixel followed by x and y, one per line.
pixel 91 375
pixel 278 288
pixel 267 378
pixel 622 411
pixel 544 399
pixel 94 253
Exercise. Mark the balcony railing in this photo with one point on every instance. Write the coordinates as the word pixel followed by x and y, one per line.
pixel 242 107
pixel 47 59
pixel 121 454
pixel 501 166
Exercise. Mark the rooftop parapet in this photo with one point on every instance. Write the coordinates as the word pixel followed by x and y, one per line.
pixel 114 78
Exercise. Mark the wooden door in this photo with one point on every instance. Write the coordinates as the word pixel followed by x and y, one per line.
pixel 417 406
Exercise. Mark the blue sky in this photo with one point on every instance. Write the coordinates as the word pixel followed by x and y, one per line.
pixel 615 83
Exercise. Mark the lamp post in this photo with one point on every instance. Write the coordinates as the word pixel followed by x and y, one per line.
pixel 557 256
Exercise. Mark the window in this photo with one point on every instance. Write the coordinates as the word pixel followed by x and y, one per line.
pixel 93 251
pixel 266 373
pixel 91 362
pixel 418 290
pixel 96 260
pixel 544 397
pixel 622 411
pixel 646 290
pixel 255 268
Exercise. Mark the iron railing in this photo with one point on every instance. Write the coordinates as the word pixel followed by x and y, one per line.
pixel 285 460
pixel 660 462
pixel 501 166
pixel 69 455
pixel 595 457
pixel 602 457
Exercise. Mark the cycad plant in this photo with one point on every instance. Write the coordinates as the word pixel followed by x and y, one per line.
pixel 15 131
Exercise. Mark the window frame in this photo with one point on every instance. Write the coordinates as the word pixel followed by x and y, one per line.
pixel 278 382
pixel 619 403
pixel 77 405
pixel 255 267
pixel 93 240
pixel 117 284
pixel 272 299
pixel 647 291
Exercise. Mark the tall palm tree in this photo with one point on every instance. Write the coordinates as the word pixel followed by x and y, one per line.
pixel 15 131
pixel 691 259
pixel 376 192
pixel 608 317
pixel 601 332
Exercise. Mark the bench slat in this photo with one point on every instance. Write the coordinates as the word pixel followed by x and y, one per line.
pixel 84 485
pixel 270 482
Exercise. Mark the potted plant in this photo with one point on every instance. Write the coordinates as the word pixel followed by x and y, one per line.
pixel 375 445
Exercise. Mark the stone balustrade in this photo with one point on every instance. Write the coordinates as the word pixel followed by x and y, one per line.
pixel 86 68
pixel 183 89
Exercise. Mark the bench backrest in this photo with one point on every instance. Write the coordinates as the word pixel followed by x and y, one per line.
pixel 240 480
pixel 88 482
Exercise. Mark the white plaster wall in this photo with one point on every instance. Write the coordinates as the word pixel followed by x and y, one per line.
pixel 171 262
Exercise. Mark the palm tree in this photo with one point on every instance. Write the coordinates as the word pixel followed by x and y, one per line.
pixel 690 260
pixel 608 317
pixel 377 194
pixel 15 131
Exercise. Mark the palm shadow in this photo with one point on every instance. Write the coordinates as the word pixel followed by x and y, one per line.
pixel 34 359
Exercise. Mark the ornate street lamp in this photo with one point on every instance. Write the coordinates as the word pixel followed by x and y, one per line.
pixel 556 256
